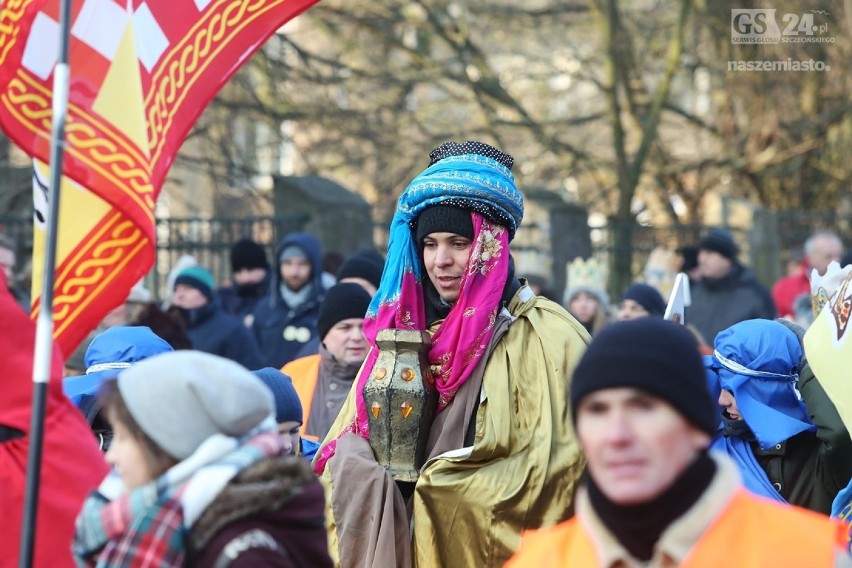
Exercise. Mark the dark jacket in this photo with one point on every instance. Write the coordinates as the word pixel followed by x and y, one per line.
pixel 810 468
pixel 272 514
pixel 718 304
pixel 241 300
pixel 213 331
pixel 282 331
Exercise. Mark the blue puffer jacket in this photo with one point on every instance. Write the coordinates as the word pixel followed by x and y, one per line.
pixel 281 331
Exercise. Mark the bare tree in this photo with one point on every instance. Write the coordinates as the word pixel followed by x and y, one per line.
pixel 626 107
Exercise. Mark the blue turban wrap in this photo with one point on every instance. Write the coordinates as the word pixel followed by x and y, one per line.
pixel 758 361
pixel 475 179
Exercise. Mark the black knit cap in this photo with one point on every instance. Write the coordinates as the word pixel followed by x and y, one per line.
pixel 366 264
pixel 246 253
pixel 646 296
pixel 690 258
pixel 651 354
pixel 721 241
pixel 444 219
pixel 342 301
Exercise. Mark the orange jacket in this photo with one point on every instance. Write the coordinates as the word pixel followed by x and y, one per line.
pixel 750 532
pixel 304 372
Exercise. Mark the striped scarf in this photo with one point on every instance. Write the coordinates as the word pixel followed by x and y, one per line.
pixel 148 526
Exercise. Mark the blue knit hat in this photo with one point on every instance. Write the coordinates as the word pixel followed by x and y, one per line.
pixel 287 404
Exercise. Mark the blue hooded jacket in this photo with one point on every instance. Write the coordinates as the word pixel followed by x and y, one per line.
pixel 281 331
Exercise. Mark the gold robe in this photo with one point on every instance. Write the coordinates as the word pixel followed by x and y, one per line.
pixel 471 504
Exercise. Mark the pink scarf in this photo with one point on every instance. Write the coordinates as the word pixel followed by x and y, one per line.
pixel 460 340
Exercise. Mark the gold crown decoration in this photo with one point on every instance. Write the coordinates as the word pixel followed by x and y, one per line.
pixel 828 341
pixel 824 287
pixel 585 275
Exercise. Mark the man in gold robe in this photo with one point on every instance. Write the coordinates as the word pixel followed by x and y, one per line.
pixel 501 456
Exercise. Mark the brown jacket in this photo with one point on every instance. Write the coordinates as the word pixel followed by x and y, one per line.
pixel 269 515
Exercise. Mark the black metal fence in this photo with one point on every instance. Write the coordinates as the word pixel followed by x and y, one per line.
pixel 764 245
pixel 208 242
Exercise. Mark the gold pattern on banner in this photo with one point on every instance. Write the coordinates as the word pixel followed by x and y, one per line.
pixel 445 398
pixel 107 251
pixel 94 144
pixel 183 65
pixel 440 367
pixel 487 249
pixel 10 16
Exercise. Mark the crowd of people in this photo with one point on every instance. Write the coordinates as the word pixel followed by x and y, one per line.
pixel 239 425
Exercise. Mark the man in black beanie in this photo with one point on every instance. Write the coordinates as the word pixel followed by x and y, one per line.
pixel 728 292
pixel 640 300
pixel 323 380
pixel 365 268
pixel 250 280
pixel 689 263
pixel 653 494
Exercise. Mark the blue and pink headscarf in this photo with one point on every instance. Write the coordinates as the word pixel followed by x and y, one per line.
pixel 475 178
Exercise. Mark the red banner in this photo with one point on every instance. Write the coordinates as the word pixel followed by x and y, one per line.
pixel 141 73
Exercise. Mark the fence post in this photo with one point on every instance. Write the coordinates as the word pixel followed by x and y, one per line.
pixel 765 247
pixel 569 239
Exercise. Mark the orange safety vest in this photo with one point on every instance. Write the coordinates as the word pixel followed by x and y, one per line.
pixel 305 374
pixel 749 533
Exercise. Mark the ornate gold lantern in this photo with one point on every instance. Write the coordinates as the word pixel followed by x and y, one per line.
pixel 400 396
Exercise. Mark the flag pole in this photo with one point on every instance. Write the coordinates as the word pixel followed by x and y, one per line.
pixel 44 325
